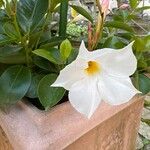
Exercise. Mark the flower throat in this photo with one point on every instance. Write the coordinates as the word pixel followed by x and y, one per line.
pixel 93 68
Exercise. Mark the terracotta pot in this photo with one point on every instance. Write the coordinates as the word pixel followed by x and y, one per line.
pixel 110 128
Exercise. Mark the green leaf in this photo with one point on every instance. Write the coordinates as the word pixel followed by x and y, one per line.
pixel 142 8
pixel 30 13
pixel 126 36
pixel 44 64
pixel 147 43
pixel 83 12
pixel 54 41
pixel 121 15
pixel 52 54
pixel 73 56
pixel 1 3
pixel 3 16
pixel 8 50
pixel 142 44
pixel 45 54
pixel 144 84
pixel 32 91
pixel 49 96
pixel 114 42
pixel 3 67
pixel 65 49
pixel 138 44
pixel 14 84
pixel 133 3
pixel 16 58
pixel 1 27
pixel 10 31
pixel 142 64
pixel 54 3
pixel 5 40
pixel 119 25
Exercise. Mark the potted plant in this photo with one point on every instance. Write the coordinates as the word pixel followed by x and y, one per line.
pixel 32 56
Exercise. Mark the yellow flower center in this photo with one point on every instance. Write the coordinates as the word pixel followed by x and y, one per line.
pixel 93 68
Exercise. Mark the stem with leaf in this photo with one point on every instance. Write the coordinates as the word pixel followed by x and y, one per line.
pixel 100 24
pixel 15 20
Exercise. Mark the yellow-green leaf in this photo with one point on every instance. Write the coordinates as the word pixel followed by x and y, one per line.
pixel 65 49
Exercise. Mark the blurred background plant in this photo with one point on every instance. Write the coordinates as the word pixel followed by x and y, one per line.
pixel 125 22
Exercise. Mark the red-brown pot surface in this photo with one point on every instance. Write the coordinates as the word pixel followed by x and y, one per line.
pixel 110 128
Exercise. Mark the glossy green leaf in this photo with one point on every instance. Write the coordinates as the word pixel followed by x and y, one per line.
pixel 3 15
pixel 10 31
pixel 65 49
pixel 14 84
pixel 45 54
pixel 119 25
pixel 5 40
pixel 44 64
pixel 32 91
pixel 49 96
pixel 144 84
pixel 3 67
pixel 83 12
pixel 53 55
pixel 1 28
pixel 54 41
pixel 30 13
pixel 8 50
pixel 73 56
pixel 17 58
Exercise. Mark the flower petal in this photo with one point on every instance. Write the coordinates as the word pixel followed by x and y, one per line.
pixel 116 90
pixel 70 74
pixel 117 62
pixel 83 52
pixel 84 96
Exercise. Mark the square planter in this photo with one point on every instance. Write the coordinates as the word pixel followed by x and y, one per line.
pixel 110 128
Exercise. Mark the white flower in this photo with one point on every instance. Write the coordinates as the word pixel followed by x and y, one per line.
pixel 99 75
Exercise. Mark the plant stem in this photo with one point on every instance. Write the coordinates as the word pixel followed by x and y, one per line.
pixel 25 42
pixel 63 18
pixel 99 7
pixel 99 33
pixel 17 27
pixel 8 9
pixel 99 26
pixel 12 14
pixel 27 56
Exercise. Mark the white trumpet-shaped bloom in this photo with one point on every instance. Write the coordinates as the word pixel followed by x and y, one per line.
pixel 99 75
